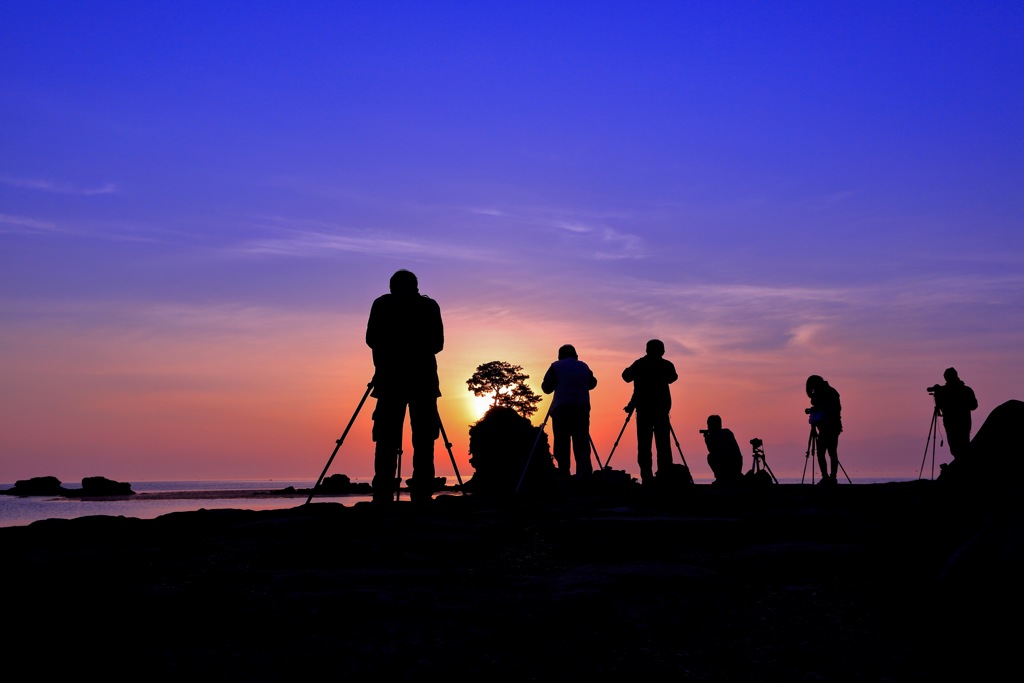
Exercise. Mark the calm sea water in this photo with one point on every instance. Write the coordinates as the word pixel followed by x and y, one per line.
pixel 18 511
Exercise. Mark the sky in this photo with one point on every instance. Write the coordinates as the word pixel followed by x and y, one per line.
pixel 200 201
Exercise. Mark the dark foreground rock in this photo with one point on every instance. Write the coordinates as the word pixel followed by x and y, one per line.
pixel 886 582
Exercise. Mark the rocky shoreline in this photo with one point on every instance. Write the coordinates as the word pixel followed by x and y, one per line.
pixel 885 582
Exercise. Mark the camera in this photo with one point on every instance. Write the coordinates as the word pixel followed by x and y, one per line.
pixel 756 443
pixel 704 431
pixel 935 388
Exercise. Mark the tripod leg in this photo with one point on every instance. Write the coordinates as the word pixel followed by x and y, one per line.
pixel 340 441
pixel 398 478
pixel 681 456
pixel 535 442
pixel 850 481
pixel 593 449
pixel 807 456
pixel 931 440
pixel 629 414
pixel 448 445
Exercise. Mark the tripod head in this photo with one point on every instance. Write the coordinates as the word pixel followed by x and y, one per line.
pixel 760 464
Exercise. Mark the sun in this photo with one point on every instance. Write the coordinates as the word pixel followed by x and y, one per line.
pixel 479 405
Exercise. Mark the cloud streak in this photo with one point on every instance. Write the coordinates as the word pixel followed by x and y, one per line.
pixel 60 188
pixel 305 243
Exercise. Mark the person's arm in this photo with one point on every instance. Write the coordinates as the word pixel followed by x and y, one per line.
pixel 550 380
pixel 593 380
pixel 437 333
pixel 670 374
pixel 373 326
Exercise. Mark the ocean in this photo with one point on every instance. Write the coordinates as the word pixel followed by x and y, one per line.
pixel 19 511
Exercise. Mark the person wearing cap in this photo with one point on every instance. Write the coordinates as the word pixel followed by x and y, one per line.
pixel 571 380
pixel 405 332
pixel 825 415
pixel 956 400
pixel 651 374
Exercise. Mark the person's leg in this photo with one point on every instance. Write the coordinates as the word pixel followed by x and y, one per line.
pixel 644 436
pixel 581 441
pixel 426 427
pixel 958 434
pixel 828 443
pixel 821 446
pixel 388 418
pixel 561 437
pixel 713 464
pixel 661 443
pixel 834 457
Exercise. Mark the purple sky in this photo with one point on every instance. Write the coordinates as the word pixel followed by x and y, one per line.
pixel 198 205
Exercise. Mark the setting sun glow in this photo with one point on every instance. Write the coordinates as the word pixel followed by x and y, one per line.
pixel 480 404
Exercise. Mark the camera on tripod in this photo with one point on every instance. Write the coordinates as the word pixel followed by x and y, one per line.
pixel 935 388
pixel 756 443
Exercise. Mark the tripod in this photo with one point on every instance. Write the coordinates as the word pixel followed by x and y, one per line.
pixel 340 441
pixel 812 447
pixel 760 463
pixel 933 436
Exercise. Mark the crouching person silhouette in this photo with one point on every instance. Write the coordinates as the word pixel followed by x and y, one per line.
pixel 724 455
pixel 405 332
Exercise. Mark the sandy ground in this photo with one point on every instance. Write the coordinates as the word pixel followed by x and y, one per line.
pixel 883 582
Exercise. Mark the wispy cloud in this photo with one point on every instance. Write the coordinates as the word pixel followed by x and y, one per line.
pixel 26 223
pixel 59 188
pixel 317 240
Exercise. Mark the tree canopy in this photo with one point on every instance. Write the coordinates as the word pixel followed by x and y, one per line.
pixel 506 383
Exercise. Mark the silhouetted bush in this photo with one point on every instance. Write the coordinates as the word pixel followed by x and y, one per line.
pixel 499 446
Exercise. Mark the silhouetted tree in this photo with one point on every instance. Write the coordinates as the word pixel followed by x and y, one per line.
pixel 507 384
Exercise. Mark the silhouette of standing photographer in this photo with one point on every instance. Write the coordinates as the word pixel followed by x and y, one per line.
pixel 571 380
pixel 955 400
pixel 825 416
pixel 405 332
pixel 652 401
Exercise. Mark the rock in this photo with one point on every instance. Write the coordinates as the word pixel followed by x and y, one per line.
pixel 37 486
pixel 101 486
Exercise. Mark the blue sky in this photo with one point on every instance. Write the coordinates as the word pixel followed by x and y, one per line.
pixel 199 202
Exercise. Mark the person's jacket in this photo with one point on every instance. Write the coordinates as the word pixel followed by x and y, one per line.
pixel 405 332
pixel 651 376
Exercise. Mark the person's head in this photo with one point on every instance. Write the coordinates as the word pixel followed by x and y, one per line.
pixel 950 375
pixel 714 422
pixel 567 351
pixel 813 382
pixel 656 348
pixel 404 282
